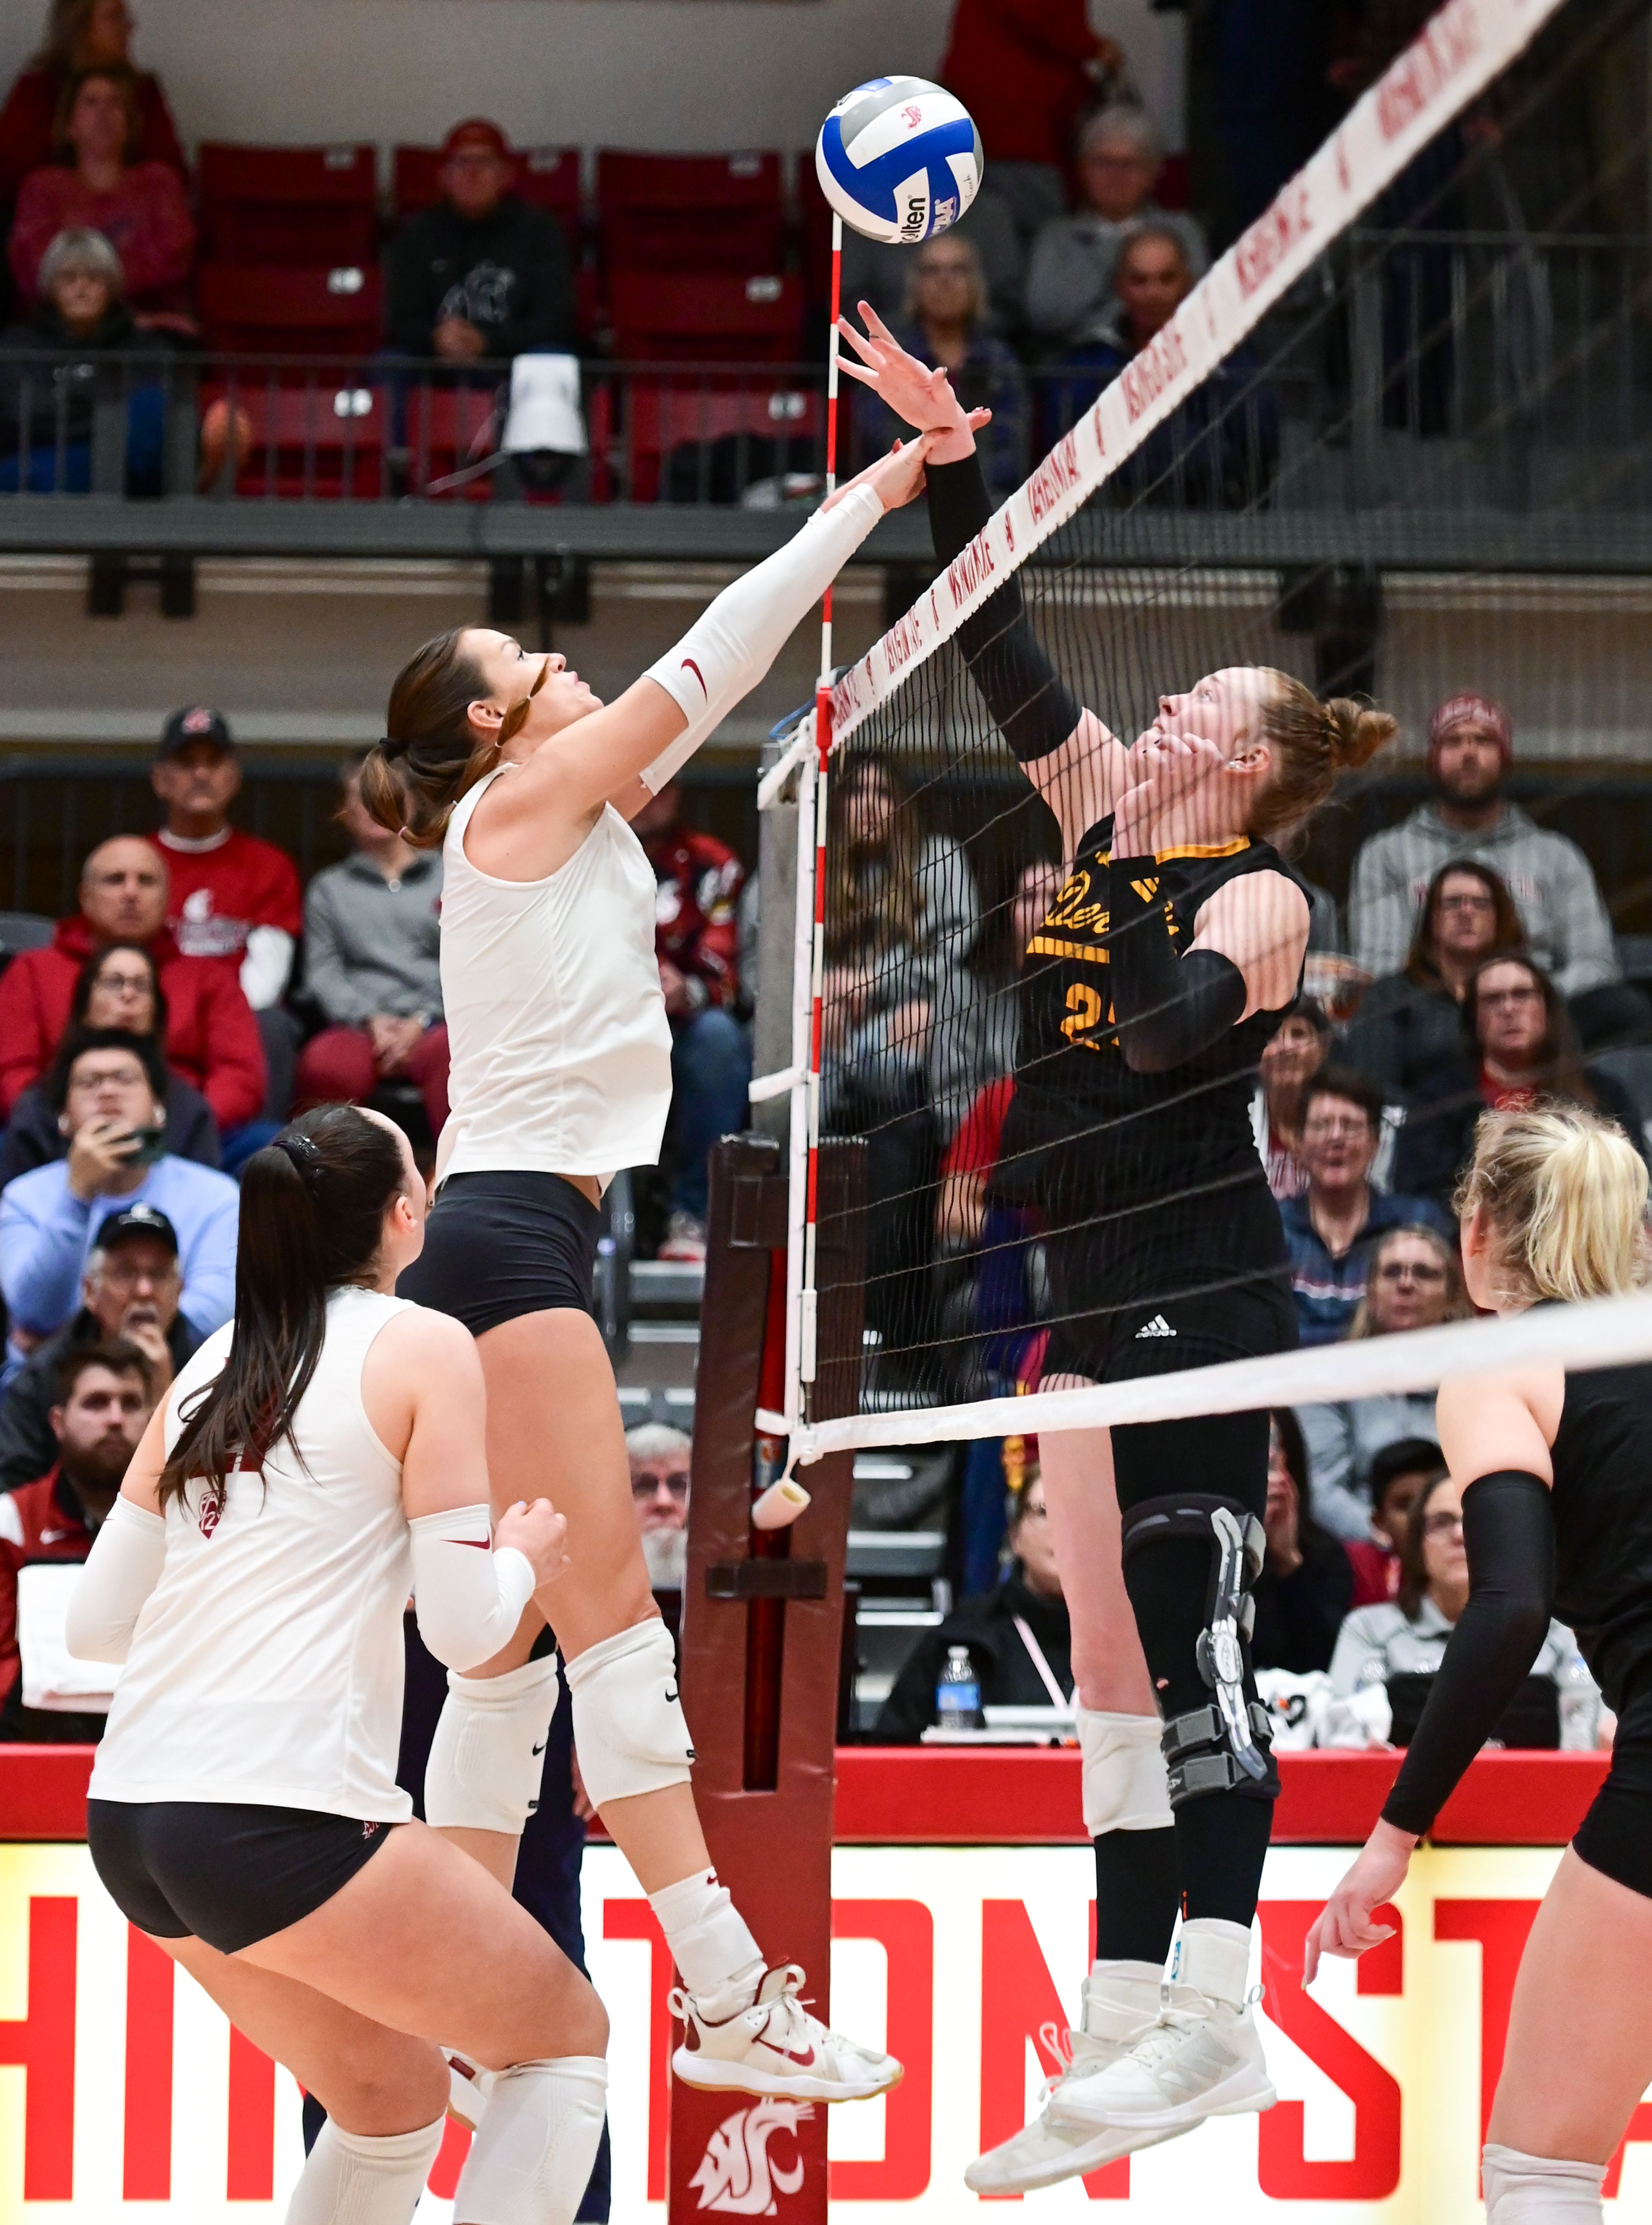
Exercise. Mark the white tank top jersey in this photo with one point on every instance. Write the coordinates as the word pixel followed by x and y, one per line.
pixel 266 1666
pixel 558 1045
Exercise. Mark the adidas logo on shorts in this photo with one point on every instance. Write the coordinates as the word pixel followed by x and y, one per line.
pixel 1157 1326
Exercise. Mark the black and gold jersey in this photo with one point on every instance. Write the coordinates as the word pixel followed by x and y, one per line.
pixel 1096 1130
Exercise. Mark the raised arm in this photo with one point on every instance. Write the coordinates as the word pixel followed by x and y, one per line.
pixel 1064 750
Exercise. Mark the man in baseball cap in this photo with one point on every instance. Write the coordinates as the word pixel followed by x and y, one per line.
pixel 480 277
pixel 233 898
pixel 1471 750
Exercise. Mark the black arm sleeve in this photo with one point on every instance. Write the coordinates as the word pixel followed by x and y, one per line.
pixel 1509 1530
pixel 1035 712
pixel 1165 1008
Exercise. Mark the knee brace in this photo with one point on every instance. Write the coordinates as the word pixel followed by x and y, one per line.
pixel 629 1727
pixel 533 2152
pixel 1124 1777
pixel 488 1756
pixel 1529 2189
pixel 369 2180
pixel 1225 1744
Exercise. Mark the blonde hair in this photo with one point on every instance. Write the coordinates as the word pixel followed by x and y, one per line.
pixel 1310 743
pixel 1456 1305
pixel 1564 1195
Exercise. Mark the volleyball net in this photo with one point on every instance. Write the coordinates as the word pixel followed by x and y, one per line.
pixel 1384 364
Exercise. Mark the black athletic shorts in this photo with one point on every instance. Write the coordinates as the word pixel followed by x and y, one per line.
pixel 228 1875
pixel 1616 1836
pixel 499 1245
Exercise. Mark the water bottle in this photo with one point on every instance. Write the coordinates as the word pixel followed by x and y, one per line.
pixel 958 1694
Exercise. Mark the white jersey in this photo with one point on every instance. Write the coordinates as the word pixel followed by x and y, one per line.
pixel 267 1664
pixel 559 1046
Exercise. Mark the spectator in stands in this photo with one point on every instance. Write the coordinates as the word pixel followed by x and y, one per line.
pixel 371 932
pixel 697 942
pixel 480 277
pixel 1409 1022
pixel 1517 1045
pixel 660 1457
pixel 130 1289
pixel 115 1107
pixel 1398 1474
pixel 1069 297
pixel 1330 1230
pixel 970 1061
pixel 943 323
pixel 1471 748
pixel 1018 1636
pixel 1025 70
pixel 233 898
pixel 1219 449
pixel 1294 1054
pixel 105 1398
pixel 212 1039
pixel 1305 1586
pixel 119 987
pixel 74 351
pixel 1401 1643
pixel 98 182
pixel 1415 1282
pixel 905 916
pixel 80 34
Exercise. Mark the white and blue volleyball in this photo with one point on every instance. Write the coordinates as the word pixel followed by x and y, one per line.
pixel 899 159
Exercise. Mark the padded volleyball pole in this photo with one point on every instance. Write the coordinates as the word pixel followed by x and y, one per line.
pixel 761 1638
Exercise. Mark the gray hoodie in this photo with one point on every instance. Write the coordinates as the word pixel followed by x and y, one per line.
pixel 1548 876
pixel 370 945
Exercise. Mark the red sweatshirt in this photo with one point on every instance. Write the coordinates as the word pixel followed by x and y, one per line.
pixel 1017 66
pixel 217 894
pixel 696 911
pixel 212 1038
pixel 26 129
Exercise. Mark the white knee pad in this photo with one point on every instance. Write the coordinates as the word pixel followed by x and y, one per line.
pixel 368 2180
pixel 488 1755
pixel 629 1727
pixel 1529 2189
pixel 1125 1788
pixel 533 2152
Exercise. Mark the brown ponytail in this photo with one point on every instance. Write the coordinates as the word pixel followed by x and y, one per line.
pixel 431 754
pixel 1311 743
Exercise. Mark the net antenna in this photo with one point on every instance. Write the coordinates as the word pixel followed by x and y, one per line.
pixel 1464 46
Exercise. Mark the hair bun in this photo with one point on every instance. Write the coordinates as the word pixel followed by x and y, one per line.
pixel 1355 732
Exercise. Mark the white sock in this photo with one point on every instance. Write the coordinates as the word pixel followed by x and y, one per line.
pixel 1529 2189
pixel 709 1939
pixel 1214 1957
pixel 355 2179
pixel 1119 1997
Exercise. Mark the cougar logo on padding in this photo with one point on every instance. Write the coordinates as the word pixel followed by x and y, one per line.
pixel 735 2173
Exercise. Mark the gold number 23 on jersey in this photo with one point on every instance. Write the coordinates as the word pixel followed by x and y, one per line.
pixel 1085 1012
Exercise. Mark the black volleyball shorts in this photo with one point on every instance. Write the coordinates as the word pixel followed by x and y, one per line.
pixel 1616 1836
pixel 501 1245
pixel 231 1875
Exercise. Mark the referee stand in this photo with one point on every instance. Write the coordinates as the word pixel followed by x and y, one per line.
pixel 761 1647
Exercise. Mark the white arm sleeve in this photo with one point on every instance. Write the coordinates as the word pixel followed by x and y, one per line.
pixel 123 1568
pixel 734 640
pixel 469 1598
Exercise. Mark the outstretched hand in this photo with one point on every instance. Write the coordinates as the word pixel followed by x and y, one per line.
pixel 923 397
pixel 1344 1925
pixel 893 479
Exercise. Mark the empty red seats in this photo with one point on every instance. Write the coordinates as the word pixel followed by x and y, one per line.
pixel 276 312
pixel 322 441
pixel 681 212
pixel 722 438
pixel 307 207
pixel 447 428
pixel 708 318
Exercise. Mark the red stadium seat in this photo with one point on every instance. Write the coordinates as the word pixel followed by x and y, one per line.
pixel 272 311
pixel 447 428
pixel 680 212
pixel 814 214
pixel 321 441
pixel 756 427
pixel 547 178
pixel 308 208
pixel 708 319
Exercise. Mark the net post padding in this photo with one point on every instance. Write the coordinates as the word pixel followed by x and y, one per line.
pixel 1593 1332
pixel 1451 62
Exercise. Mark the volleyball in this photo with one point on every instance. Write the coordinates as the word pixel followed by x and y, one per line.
pixel 899 159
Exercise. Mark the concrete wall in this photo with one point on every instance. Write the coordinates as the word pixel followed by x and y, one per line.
pixel 652 73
